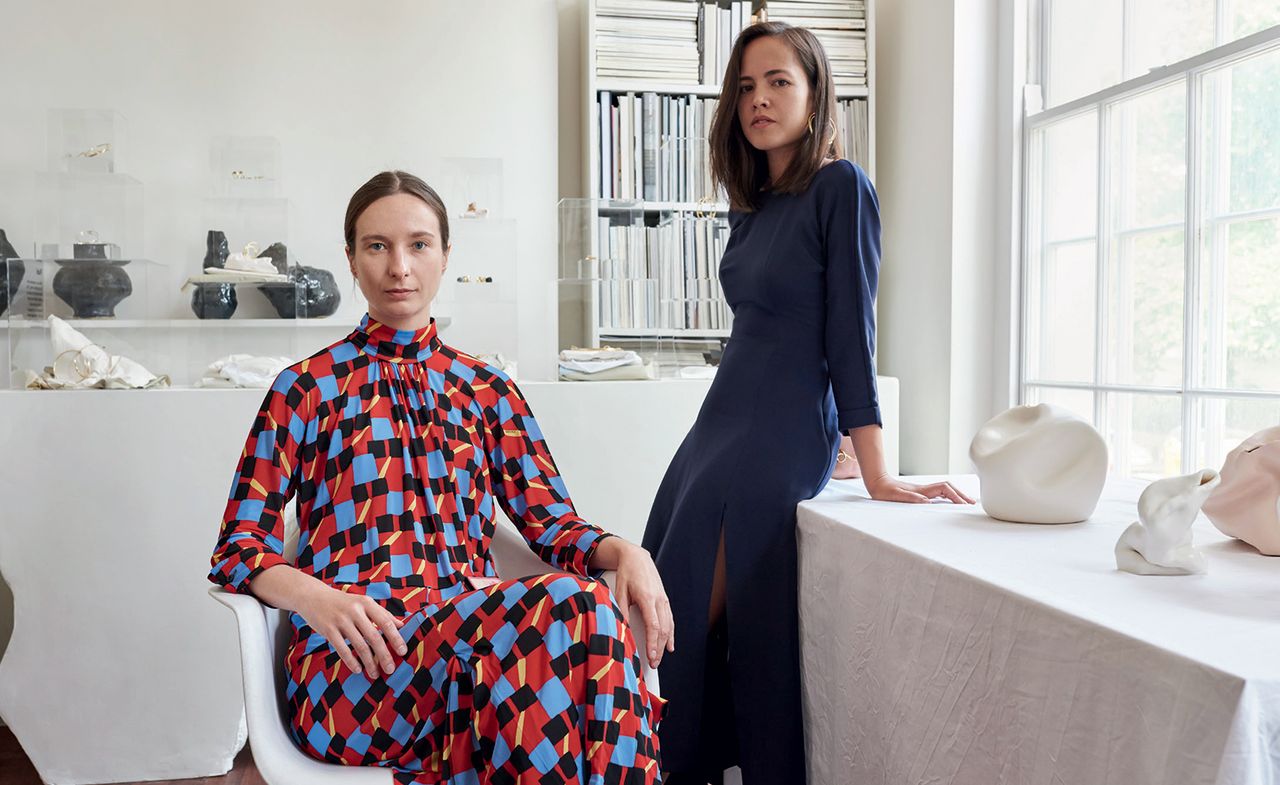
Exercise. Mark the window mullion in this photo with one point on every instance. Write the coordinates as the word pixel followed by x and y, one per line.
pixel 1102 233
pixel 1191 269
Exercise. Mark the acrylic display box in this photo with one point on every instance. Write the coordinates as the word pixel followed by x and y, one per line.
pixel 643 278
pixel 478 294
pixel 115 305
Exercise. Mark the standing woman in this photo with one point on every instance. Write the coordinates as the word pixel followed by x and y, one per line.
pixel 800 272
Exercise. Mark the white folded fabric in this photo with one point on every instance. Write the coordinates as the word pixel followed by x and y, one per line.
pixel 243 370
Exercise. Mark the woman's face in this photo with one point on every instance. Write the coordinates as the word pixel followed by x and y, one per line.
pixel 773 96
pixel 398 260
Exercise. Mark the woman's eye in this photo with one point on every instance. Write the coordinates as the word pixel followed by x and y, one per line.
pixel 376 246
pixel 746 88
pixel 420 246
pixel 781 82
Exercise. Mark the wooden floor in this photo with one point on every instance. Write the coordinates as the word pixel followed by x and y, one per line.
pixel 16 769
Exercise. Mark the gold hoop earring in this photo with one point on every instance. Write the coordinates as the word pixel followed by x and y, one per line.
pixel 812 117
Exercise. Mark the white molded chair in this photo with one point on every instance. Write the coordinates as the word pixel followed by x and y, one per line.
pixel 264 636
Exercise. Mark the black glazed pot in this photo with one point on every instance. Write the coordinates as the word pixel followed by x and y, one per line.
pixel 215 249
pixel 92 287
pixel 11 272
pixel 214 300
pixel 318 288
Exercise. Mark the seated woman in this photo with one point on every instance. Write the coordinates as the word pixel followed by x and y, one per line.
pixel 408 651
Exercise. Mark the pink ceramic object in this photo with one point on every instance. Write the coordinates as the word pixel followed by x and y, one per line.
pixel 1246 504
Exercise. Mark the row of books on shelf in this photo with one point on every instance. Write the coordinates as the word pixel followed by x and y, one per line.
pixel 841 27
pixel 654 147
pixel 663 276
pixel 686 41
pixel 639 305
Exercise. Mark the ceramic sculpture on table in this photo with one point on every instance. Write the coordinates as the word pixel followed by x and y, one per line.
pixel 1039 464
pixel 1159 542
pixel 11 272
pixel 317 288
pixel 1247 503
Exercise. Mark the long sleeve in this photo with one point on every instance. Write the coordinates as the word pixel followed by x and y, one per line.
pixel 252 537
pixel 529 487
pixel 851 224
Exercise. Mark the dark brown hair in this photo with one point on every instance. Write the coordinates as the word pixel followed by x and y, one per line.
pixel 388 184
pixel 742 169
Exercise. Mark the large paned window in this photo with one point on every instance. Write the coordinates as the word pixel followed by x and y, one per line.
pixel 1151 277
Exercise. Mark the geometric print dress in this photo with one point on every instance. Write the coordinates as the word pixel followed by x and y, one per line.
pixel 398 449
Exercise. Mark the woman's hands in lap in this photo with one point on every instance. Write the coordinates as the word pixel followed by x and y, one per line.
pixel 639 584
pixel 371 629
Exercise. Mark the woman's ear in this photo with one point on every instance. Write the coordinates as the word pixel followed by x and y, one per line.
pixel 351 260
pixel 447 249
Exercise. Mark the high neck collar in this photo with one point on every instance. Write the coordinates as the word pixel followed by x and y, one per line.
pixel 388 343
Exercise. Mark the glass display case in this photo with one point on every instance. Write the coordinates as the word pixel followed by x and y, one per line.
pixel 478 294
pixel 644 278
pixel 85 141
pixel 246 167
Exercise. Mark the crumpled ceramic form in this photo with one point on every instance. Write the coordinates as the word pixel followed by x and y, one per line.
pixel 1159 542
pixel 1247 503
pixel 1039 464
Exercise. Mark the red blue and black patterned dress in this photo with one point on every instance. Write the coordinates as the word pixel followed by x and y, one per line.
pixel 399 449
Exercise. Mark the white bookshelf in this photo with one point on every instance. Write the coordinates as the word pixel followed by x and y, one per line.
pixel 594 86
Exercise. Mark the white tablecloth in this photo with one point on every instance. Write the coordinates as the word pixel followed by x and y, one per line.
pixel 943 646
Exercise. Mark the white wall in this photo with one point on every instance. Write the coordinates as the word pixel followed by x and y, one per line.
pixel 348 90
pixel 946 178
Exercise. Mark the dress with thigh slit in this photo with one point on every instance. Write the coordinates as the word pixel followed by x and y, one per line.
pixel 399 449
pixel 800 274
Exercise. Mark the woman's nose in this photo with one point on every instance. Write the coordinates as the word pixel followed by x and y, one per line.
pixel 398 264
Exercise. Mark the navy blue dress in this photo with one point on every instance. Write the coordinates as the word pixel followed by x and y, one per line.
pixel 800 274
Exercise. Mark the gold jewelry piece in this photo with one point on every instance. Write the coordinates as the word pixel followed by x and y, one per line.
pixel 809 123
pixel 706 207
pixel 93 152
pixel 843 457
pixel 475 279
pixel 239 174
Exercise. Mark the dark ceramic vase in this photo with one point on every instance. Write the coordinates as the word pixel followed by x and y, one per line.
pixel 214 300
pixel 216 250
pixel 92 287
pixel 317 288
pixel 279 255
pixel 11 272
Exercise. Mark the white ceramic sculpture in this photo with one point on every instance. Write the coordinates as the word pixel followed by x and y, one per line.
pixel 1039 464
pixel 1247 503
pixel 1159 542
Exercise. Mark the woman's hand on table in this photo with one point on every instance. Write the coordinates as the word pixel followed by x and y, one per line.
pixel 639 584
pixel 371 629
pixel 887 488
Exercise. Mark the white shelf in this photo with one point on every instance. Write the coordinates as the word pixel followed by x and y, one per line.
pixel 194 324
pixel 659 332
pixel 617 86
pixel 631 205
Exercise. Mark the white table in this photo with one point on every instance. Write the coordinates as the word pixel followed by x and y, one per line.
pixel 943 646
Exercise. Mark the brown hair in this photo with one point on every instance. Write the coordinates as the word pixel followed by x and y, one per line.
pixel 390 183
pixel 742 169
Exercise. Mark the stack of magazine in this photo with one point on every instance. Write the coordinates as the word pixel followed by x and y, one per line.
pixel 648 39
pixel 841 26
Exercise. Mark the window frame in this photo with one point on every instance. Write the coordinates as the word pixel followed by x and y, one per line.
pixel 1190 393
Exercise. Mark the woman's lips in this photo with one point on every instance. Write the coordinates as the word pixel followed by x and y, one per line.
pixel 400 294
pixel 761 122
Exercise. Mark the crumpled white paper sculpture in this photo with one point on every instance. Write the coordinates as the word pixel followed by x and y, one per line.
pixel 243 370
pixel 79 363
pixel 1039 464
pixel 1159 542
